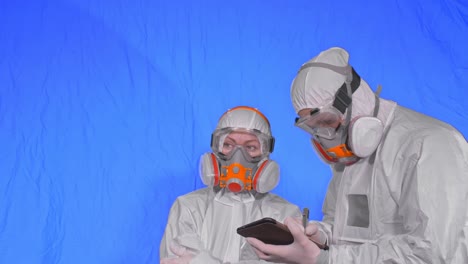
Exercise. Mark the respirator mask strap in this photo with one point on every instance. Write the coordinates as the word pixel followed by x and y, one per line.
pixel 377 101
pixel 365 133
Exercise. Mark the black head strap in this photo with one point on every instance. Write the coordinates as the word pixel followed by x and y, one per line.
pixel 342 99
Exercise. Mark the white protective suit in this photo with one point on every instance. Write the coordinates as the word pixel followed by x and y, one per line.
pixel 408 202
pixel 205 221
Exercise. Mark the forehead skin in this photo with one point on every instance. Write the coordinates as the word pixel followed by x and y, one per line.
pixel 242 137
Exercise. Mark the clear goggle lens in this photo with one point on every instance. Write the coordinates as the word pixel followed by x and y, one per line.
pixel 321 122
pixel 253 143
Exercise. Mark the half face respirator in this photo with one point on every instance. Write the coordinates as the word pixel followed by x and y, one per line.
pixel 335 137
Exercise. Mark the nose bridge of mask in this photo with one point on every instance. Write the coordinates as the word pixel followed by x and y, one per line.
pixel 324 132
pixel 240 155
pixel 334 145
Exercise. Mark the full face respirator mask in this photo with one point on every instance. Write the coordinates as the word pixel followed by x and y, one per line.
pixel 239 161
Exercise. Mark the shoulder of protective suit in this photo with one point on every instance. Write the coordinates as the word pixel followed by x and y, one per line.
pixel 198 196
pixel 412 133
pixel 278 203
pixel 411 123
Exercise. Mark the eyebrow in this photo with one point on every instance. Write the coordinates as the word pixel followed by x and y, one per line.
pixel 248 141
pixel 230 138
pixel 252 140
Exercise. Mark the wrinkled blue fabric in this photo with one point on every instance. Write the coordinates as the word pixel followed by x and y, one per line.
pixel 106 106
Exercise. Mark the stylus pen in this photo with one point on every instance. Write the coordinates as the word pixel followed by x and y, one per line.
pixel 305 221
pixel 305 218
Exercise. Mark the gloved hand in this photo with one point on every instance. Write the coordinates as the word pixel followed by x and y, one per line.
pixel 183 256
pixel 314 234
pixel 301 251
pixel 312 231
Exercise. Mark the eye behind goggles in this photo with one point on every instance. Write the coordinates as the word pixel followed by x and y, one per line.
pixel 219 142
pixel 321 122
pixel 327 128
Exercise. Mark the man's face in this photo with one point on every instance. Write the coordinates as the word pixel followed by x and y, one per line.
pixel 246 140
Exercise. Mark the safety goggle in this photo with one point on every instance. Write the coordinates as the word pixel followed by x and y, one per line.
pixel 253 142
pixel 321 122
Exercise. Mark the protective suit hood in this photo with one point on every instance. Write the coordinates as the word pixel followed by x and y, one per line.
pixel 315 86
pixel 246 118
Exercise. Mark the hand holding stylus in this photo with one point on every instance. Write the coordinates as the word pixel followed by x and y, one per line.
pixel 311 231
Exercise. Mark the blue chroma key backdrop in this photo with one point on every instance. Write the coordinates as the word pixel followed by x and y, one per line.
pixel 106 106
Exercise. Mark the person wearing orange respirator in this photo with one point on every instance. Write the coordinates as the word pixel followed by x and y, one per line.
pixel 201 226
pixel 399 191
